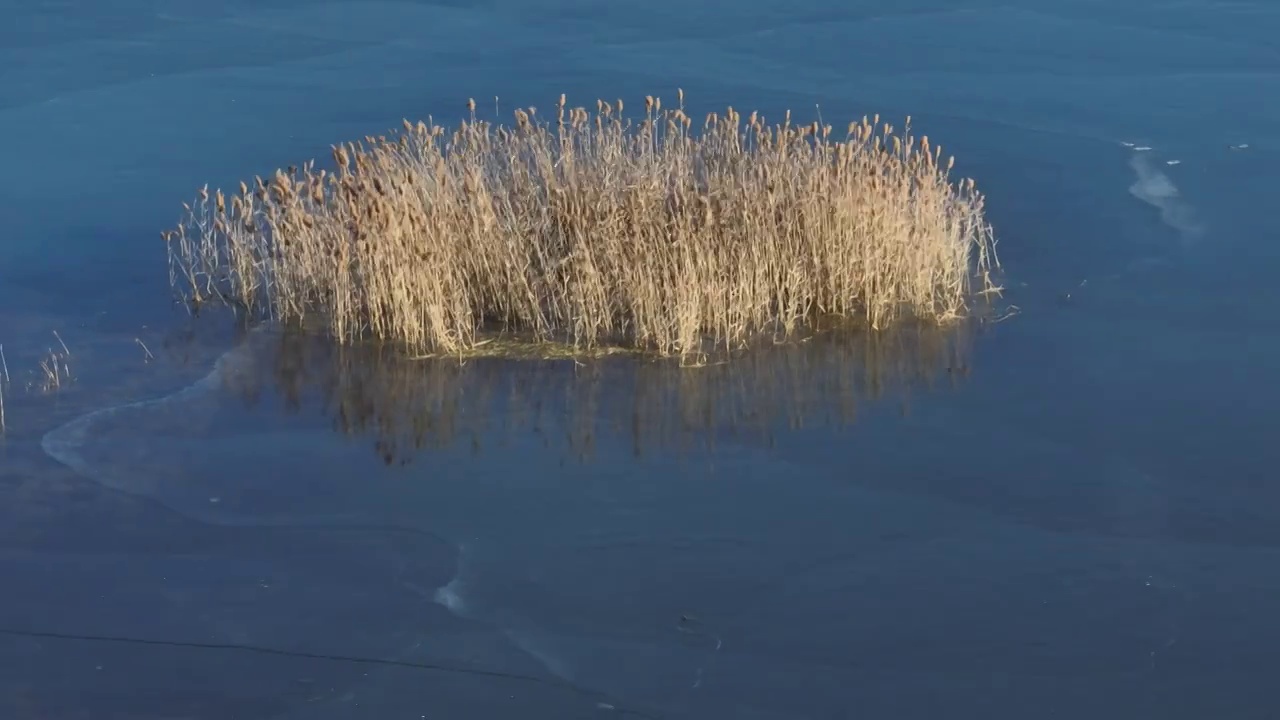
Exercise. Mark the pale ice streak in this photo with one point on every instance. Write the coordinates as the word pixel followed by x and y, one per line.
pixel 1154 187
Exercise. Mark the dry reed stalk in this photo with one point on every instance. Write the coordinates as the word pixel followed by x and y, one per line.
pixel 595 230
pixel 55 366
pixel 51 366
pixel 65 351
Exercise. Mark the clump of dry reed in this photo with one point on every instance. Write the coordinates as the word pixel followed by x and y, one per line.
pixel 595 230
pixel 55 367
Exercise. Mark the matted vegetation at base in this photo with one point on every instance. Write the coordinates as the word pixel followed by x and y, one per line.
pixel 592 231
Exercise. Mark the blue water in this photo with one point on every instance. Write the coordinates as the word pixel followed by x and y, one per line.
pixel 1070 513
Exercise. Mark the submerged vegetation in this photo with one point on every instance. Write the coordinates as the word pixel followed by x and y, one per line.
pixel 594 231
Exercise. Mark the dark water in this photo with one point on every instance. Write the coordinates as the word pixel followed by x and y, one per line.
pixel 1068 513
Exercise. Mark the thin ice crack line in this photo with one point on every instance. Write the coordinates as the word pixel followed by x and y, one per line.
pixel 386 662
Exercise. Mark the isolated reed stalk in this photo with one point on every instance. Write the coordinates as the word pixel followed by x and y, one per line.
pixel 592 230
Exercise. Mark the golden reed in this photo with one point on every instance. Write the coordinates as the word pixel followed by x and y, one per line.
pixel 592 230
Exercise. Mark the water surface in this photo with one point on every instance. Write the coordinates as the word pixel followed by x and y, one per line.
pixel 1068 513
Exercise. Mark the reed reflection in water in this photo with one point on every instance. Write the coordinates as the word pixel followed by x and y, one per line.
pixel 408 405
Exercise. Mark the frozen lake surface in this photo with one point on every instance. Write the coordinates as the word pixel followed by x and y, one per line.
pixel 1071 514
